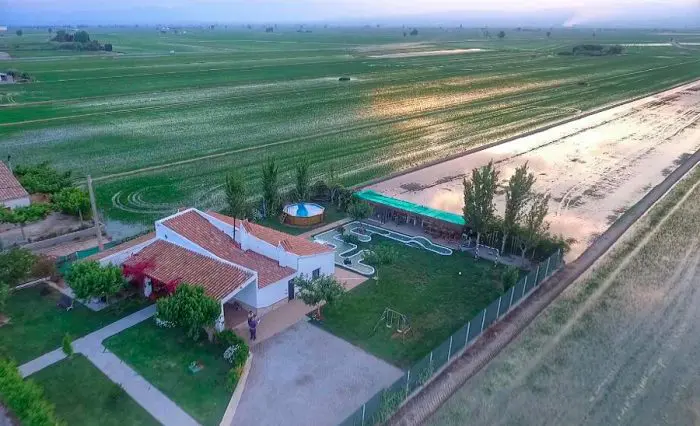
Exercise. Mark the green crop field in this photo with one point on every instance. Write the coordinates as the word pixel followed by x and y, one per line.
pixel 160 120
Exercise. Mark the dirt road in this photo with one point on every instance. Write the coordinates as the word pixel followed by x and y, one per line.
pixel 618 347
pixel 594 168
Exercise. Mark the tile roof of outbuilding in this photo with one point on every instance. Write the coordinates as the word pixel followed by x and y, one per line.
pixel 10 188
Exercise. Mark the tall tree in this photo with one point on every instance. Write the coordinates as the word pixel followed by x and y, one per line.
pixel 302 180
pixel 501 34
pixel 16 266
pixel 359 210
pixel 518 193
pixel 534 228
pixel 236 197
pixel 478 199
pixel 270 173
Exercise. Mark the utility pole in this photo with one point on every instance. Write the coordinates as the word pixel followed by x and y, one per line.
pixel 95 218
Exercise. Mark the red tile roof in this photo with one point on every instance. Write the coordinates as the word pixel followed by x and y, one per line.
pixel 195 228
pixel 10 189
pixel 168 262
pixel 293 244
pixel 122 246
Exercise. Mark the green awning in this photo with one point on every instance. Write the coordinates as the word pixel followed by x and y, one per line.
pixel 407 206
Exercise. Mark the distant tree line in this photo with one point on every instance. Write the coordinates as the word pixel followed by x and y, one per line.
pixel 79 40
pixel 594 50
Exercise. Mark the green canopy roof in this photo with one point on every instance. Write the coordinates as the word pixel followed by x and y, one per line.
pixel 407 206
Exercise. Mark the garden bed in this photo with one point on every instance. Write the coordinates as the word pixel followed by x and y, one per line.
pixel 36 325
pixel 438 294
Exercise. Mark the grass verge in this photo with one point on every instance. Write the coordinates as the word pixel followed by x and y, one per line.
pixel 83 395
pixel 37 326
pixel 162 357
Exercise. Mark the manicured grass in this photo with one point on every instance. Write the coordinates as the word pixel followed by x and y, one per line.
pixel 424 286
pixel 37 325
pixel 162 356
pixel 332 215
pixel 83 395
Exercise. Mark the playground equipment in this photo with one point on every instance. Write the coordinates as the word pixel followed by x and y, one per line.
pixel 394 319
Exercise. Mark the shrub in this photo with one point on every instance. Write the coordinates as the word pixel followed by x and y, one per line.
pixel 510 277
pixel 72 201
pixel 67 345
pixel 43 267
pixel 4 295
pixel 381 255
pixel 351 238
pixel 24 398
pixel 108 47
pixel 28 214
pixel 42 178
pixel 189 308
pixel 232 377
pixel 15 266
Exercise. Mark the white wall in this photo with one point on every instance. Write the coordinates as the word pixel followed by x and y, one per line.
pixel 273 293
pixel 249 294
pixel 17 202
pixel 325 261
pixel 119 257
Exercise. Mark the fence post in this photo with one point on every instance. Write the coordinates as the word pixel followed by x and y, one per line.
pixel 525 285
pixel 510 305
pixel 498 312
pixel 537 274
pixel 483 320
pixel 364 406
pixel 408 380
pixel 546 271
pixel 466 339
pixel 431 360
pixel 449 350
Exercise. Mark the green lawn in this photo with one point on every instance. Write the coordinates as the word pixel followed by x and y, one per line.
pixel 332 215
pixel 422 285
pixel 162 356
pixel 37 325
pixel 84 396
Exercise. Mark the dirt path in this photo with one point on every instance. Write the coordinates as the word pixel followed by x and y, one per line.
pixel 424 404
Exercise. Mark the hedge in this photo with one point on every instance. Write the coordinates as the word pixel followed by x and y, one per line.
pixel 24 398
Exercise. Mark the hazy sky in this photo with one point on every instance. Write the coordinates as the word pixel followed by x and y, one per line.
pixel 318 10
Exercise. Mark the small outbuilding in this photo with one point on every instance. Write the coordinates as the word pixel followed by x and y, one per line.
pixel 12 194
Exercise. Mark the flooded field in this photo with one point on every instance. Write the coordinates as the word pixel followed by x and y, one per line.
pixel 619 347
pixel 593 168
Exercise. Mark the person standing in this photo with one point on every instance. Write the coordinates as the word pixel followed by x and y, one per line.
pixel 252 326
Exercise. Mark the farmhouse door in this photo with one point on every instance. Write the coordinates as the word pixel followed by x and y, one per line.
pixel 290 289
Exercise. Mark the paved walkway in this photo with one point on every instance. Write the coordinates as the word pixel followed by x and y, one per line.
pixel 151 399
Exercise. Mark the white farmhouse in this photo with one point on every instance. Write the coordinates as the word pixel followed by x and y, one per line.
pixel 253 270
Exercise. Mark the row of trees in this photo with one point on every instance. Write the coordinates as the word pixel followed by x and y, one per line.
pixel 79 40
pixel 525 210
pixel 327 187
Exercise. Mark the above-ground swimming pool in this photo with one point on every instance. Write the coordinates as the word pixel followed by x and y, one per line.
pixel 303 214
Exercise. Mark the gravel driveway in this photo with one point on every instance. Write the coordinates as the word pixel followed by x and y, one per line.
pixel 306 376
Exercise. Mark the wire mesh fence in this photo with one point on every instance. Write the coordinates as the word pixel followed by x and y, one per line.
pixel 384 403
